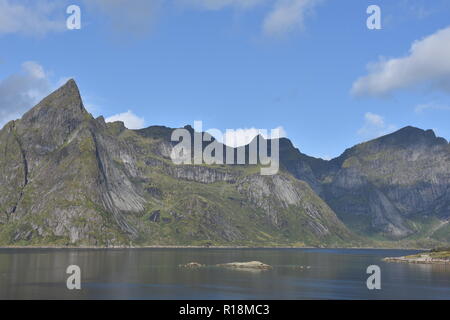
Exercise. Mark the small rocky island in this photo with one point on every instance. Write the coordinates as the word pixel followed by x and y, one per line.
pixel 246 265
pixel 251 265
pixel 191 265
pixel 437 256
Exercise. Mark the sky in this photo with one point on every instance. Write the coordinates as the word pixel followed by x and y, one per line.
pixel 310 67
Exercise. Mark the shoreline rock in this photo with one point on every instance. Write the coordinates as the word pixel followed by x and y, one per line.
pixel 418 259
pixel 246 265
pixel 191 265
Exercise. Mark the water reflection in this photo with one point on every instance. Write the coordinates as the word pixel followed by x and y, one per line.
pixel 154 274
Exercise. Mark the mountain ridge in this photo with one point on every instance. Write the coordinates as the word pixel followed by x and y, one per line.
pixel 70 179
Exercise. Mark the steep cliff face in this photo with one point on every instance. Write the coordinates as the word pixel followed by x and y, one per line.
pixel 410 170
pixel 388 185
pixel 66 186
pixel 280 195
pixel 68 178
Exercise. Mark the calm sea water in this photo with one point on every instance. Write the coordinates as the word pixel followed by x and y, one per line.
pixel 154 274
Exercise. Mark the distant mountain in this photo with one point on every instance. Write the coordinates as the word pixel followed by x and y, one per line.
pixel 69 179
pixel 391 187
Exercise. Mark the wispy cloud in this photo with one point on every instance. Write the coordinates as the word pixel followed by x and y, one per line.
pixel 428 63
pixel 288 16
pixel 130 120
pixel 22 90
pixel 136 17
pixel 284 16
pixel 431 106
pixel 32 18
pixel 374 126
pixel 38 18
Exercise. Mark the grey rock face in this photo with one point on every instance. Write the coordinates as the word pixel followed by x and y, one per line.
pixel 200 174
pixel 279 193
pixel 386 181
pixel 64 172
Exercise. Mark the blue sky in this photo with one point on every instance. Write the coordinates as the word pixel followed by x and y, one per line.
pixel 298 64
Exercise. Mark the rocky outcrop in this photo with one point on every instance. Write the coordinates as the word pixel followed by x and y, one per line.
pixel 191 265
pixel 246 265
pixel 279 194
pixel 423 258
pixel 200 174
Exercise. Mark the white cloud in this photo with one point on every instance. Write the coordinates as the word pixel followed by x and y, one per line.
pixel 431 106
pixel 31 17
pixel 21 91
pixel 241 137
pixel 287 16
pixel 428 63
pixel 375 126
pixel 136 17
pixel 130 120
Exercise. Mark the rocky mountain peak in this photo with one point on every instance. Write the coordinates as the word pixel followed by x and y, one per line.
pixel 70 88
pixel 409 136
pixel 66 99
pixel 53 120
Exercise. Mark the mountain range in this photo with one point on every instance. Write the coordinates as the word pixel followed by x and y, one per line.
pixel 70 179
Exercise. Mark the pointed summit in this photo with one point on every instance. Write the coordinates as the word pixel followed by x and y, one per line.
pixel 54 118
pixel 66 99
pixel 70 88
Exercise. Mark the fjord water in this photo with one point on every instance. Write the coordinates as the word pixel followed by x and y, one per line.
pixel 154 274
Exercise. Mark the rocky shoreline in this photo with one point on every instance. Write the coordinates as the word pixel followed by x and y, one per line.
pixel 423 258
pixel 204 247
